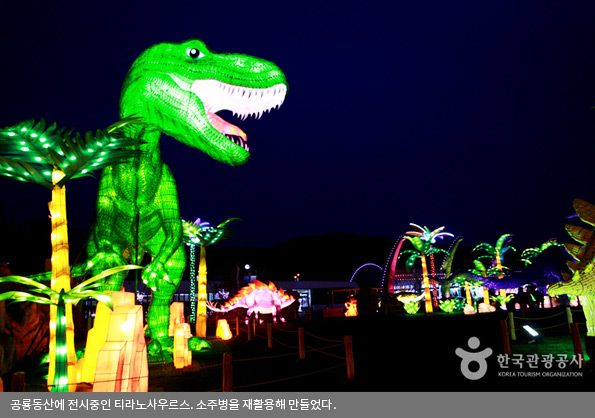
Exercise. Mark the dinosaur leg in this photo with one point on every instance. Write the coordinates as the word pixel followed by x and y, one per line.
pixel 111 230
pixel 160 234
pixel 163 279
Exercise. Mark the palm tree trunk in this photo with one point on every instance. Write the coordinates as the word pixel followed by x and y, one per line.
pixel 486 295
pixel 192 284
pixel 500 276
pixel 468 294
pixel 60 279
pixel 61 378
pixel 427 294
pixel 201 311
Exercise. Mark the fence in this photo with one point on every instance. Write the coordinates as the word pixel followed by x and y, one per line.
pixel 565 318
pixel 281 343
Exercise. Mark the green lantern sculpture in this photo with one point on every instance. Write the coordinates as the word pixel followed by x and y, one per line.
pixel 177 90
pixel 40 293
pixel 422 240
pixel 582 281
pixel 202 234
pixel 34 153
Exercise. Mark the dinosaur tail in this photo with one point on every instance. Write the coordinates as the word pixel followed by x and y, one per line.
pixel 287 303
pixel 212 307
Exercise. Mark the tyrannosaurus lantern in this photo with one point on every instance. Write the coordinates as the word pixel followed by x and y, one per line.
pixel 176 89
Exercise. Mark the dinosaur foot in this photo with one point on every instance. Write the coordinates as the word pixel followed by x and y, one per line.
pixel 162 349
pixel 198 344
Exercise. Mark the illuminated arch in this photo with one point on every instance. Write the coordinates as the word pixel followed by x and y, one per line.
pixel 362 266
pixel 389 272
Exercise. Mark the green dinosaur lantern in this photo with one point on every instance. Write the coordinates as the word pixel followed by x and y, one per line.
pixel 177 90
pixel 582 281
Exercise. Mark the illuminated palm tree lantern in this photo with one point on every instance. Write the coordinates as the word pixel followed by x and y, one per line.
pixel 32 153
pixel 40 293
pixel 202 234
pixel 529 253
pixel 496 255
pixel 422 240
pixel 482 271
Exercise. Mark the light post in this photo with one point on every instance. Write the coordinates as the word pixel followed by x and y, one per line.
pixel 247 267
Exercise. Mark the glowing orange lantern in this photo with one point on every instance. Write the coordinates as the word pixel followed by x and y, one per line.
pixel 223 330
pixel 97 336
pixel 124 356
pixel 176 316
pixel 182 356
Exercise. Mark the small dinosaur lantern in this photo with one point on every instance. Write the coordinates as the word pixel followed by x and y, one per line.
pixel 257 298
pixel 351 306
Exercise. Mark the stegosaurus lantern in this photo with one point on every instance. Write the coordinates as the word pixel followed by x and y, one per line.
pixel 257 298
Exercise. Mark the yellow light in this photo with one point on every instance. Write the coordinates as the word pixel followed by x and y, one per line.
pixel 223 330
pixel 127 326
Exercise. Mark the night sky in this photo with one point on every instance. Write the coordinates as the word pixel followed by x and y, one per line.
pixel 473 115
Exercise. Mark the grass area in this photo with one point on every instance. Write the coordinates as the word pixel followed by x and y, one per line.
pixel 556 344
pixel 395 353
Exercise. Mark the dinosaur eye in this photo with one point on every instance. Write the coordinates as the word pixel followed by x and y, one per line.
pixel 195 53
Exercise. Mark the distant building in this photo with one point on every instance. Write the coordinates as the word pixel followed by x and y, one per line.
pixel 320 295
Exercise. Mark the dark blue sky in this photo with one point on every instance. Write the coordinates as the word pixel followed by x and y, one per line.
pixel 472 115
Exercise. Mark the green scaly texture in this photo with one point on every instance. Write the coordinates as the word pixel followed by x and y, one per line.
pixel 176 89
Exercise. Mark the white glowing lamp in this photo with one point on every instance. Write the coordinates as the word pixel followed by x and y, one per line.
pixel 469 310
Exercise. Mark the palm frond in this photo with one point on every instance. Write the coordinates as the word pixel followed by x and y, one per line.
pixel 479 266
pixel 17 296
pixel 81 287
pixel 30 152
pixel 502 240
pixel 486 247
pixel 435 250
pixel 130 120
pixel 23 280
pixel 99 296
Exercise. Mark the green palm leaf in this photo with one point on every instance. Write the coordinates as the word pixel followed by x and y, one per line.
pixel 17 296
pixel 30 152
pixel 94 281
pixel 486 247
pixel 502 240
pixel 23 280
pixel 479 266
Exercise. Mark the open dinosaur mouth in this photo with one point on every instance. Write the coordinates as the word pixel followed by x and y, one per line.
pixel 241 101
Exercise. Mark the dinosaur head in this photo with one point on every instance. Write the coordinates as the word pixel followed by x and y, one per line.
pixel 179 88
